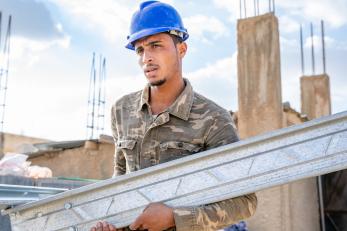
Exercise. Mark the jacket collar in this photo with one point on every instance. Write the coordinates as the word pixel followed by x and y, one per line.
pixel 180 108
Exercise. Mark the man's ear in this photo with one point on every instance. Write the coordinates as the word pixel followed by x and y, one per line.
pixel 182 49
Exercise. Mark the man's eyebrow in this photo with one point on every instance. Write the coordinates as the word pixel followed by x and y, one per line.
pixel 153 42
pixel 148 44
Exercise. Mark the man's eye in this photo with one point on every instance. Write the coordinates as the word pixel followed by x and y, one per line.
pixel 139 51
pixel 155 45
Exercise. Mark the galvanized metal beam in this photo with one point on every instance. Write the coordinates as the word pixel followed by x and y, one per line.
pixel 11 195
pixel 310 149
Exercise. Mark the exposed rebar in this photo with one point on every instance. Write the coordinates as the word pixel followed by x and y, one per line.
pixel 240 9
pixel 312 51
pixel 257 7
pixel 323 47
pixel 302 52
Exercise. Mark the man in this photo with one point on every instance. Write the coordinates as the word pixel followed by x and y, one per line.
pixel 168 120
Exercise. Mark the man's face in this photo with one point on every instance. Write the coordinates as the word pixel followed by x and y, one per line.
pixel 159 58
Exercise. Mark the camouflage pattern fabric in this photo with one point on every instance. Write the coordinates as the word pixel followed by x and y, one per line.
pixel 191 124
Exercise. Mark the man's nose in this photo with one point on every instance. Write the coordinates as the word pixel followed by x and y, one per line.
pixel 147 57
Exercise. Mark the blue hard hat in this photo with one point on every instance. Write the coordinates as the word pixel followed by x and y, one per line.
pixel 155 17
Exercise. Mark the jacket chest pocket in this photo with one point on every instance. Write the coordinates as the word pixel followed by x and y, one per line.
pixel 172 150
pixel 128 148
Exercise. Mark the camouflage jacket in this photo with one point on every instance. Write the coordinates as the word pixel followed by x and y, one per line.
pixel 191 124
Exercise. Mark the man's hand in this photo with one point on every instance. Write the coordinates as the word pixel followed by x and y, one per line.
pixel 104 226
pixel 155 217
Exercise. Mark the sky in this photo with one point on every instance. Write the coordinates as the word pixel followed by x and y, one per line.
pixel 53 42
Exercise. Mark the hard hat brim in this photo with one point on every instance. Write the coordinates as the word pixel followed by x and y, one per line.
pixel 152 31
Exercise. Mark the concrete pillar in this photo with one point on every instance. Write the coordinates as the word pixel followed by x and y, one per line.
pixel 287 207
pixel 259 90
pixel 315 103
pixel 315 96
pixel 260 105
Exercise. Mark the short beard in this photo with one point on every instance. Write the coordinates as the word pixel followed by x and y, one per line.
pixel 158 83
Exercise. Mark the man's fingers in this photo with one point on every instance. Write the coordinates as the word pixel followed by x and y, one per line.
pixel 111 227
pixel 137 223
pixel 105 226
pixel 99 226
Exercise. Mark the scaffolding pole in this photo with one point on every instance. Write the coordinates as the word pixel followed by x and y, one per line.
pixel 4 71
pixel 96 98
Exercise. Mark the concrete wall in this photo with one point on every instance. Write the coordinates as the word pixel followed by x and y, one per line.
pixel 315 96
pixel 13 141
pixel 288 207
pixel 93 161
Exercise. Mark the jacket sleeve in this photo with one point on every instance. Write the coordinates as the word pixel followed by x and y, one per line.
pixel 119 158
pixel 216 215
pixel 224 213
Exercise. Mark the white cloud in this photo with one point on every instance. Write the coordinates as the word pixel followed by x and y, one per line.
pixel 338 95
pixel 31 19
pixel 288 24
pixel 333 12
pixel 218 81
pixel 317 42
pixel 33 31
pixel 171 2
pixel 28 50
pixel 222 68
pixel 229 6
pixel 109 18
pixel 205 28
pixel 288 44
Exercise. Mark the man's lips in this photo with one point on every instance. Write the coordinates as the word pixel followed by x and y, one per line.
pixel 150 69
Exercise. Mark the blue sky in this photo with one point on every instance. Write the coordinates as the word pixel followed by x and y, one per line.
pixel 53 42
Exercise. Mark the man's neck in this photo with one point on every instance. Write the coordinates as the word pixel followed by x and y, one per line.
pixel 162 97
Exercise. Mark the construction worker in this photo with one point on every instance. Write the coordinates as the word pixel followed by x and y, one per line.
pixel 168 120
